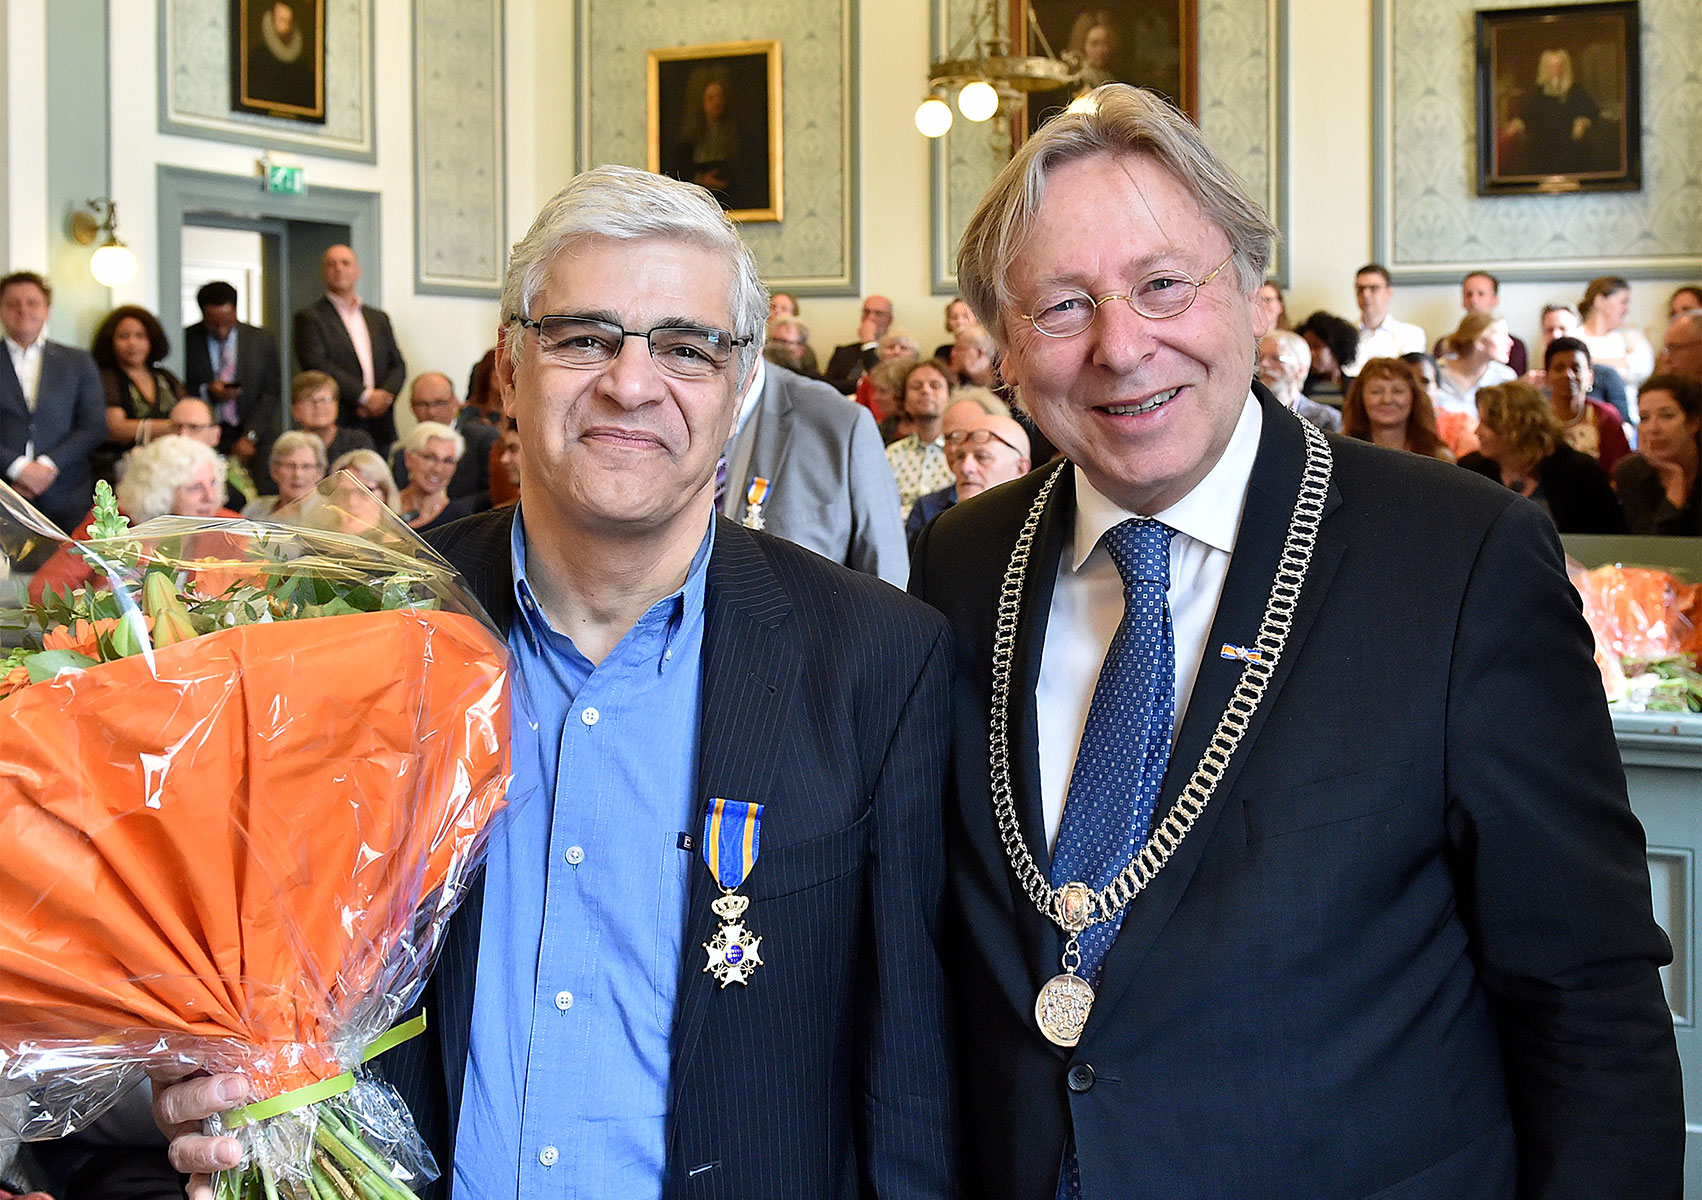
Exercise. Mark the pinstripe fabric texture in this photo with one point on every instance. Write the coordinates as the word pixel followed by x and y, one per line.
pixel 827 700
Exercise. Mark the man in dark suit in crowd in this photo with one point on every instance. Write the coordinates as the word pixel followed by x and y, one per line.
pixel 680 666
pixel 235 368
pixel 1390 933
pixel 852 361
pixel 52 410
pixel 353 344
pixel 432 398
pixel 806 466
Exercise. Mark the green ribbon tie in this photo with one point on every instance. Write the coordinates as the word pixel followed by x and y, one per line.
pixel 324 1089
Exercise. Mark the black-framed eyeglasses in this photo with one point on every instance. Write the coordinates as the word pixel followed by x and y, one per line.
pixel 1158 297
pixel 961 439
pixel 683 351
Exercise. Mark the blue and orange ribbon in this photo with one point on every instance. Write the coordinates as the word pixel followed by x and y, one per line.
pixel 757 492
pixel 732 838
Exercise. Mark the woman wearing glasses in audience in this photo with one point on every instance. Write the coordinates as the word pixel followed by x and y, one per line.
pixel 1388 405
pixel 1522 446
pixel 128 348
pixel 297 463
pixel 1658 484
pixel 431 451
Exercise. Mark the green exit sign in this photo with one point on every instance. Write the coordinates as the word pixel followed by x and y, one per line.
pixel 286 181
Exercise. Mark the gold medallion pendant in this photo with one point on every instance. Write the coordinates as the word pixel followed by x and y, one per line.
pixel 1061 1008
pixel 735 952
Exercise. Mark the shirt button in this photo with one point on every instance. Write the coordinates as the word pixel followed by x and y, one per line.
pixel 575 855
pixel 590 716
pixel 564 1000
pixel 548 1156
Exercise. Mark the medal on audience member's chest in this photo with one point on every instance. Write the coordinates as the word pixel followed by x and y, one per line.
pixel 732 838
pixel 754 496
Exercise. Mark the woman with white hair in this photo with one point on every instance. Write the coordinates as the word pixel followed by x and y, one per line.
pixel 170 476
pixel 297 463
pixel 431 451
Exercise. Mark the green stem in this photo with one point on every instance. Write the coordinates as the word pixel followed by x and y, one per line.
pixel 376 1183
pixel 391 1188
pixel 267 1182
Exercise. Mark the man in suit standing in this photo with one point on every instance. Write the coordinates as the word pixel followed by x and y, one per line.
pixel 235 368
pixel 805 465
pixel 593 1031
pixel 353 344
pixel 1290 850
pixel 52 410
pixel 853 360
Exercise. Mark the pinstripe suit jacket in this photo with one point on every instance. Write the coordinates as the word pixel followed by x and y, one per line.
pixel 827 699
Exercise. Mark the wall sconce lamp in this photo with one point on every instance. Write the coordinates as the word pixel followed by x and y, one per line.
pixel 113 264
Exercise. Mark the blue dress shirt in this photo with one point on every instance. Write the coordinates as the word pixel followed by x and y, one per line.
pixel 586 887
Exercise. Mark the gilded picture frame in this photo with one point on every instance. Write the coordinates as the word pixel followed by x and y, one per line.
pixel 714 118
pixel 277 58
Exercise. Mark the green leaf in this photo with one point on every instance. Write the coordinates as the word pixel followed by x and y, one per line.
pixel 48 663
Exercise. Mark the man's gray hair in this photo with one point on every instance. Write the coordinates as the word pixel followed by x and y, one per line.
pixel 1117 120
pixel 153 472
pixel 626 204
pixel 1293 343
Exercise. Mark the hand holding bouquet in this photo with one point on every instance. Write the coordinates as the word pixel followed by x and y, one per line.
pixel 245 774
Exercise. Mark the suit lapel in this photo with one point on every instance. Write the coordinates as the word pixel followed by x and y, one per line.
pixel 772 436
pixel 332 320
pixel 750 675
pixel 11 389
pixel 1271 493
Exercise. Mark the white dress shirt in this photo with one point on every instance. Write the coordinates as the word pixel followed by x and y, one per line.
pixel 1087 603
pixel 26 364
pixel 1391 339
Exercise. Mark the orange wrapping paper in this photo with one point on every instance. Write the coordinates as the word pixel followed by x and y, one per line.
pixel 271 802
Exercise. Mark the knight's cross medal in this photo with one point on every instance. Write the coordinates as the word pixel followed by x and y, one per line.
pixel 732 837
pixel 754 496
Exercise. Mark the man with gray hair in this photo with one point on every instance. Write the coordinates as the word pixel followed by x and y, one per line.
pixel 703 957
pixel 1269 872
pixel 1681 349
pixel 1284 360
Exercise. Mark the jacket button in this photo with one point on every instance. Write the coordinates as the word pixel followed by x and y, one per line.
pixel 1080 1077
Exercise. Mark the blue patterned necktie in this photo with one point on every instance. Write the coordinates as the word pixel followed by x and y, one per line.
pixel 1124 748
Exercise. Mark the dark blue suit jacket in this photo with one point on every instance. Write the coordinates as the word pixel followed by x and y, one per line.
pixel 69 421
pixel 1407 950
pixel 826 697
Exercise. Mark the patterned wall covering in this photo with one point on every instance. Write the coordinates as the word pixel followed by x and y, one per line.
pixel 813 251
pixel 195 82
pixel 460 245
pixel 1430 225
pixel 1239 114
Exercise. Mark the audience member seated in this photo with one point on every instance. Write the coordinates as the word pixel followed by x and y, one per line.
pixel 432 398
pixel 1387 405
pixel 852 361
pixel 484 398
pixel 354 344
pixel 236 369
pixel 1686 299
pixel 1521 446
pixel 985 451
pixel 884 394
pixel 171 475
pixel 369 467
pixel 510 463
pixel 1333 342
pixel 1681 349
pixel 298 464
pixel 1612 342
pixel 128 348
pixel 1284 362
pixel 1455 429
pixel 1658 485
pixel 1472 358
pixel 1589 426
pixel 1274 305
pixel 1481 292
pixel 192 418
pixel 51 417
pixel 894 346
pixel 918 460
pixel 959 316
pixel 1561 320
pixel 430 452
pixel 313 407
pixel 971 356
pixel 1380 335
pixel 782 304
pixel 788 345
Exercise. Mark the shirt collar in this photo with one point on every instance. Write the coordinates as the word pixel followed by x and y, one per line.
pixel 350 307
pixel 1210 513
pixel 677 606
pixel 15 348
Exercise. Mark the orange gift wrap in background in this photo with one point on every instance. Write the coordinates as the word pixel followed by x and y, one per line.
pixel 239 850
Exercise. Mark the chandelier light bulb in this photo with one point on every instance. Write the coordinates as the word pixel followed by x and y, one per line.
pixel 978 101
pixel 113 265
pixel 933 117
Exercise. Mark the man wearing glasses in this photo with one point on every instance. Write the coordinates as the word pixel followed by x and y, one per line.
pixel 852 361
pixel 1272 874
pixel 985 451
pixel 618 1010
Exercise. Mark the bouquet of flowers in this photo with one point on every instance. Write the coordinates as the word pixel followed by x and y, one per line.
pixel 246 771
pixel 1647 636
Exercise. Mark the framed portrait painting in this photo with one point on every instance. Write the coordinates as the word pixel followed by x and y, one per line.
pixel 1558 91
pixel 714 120
pixel 277 58
pixel 1149 43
